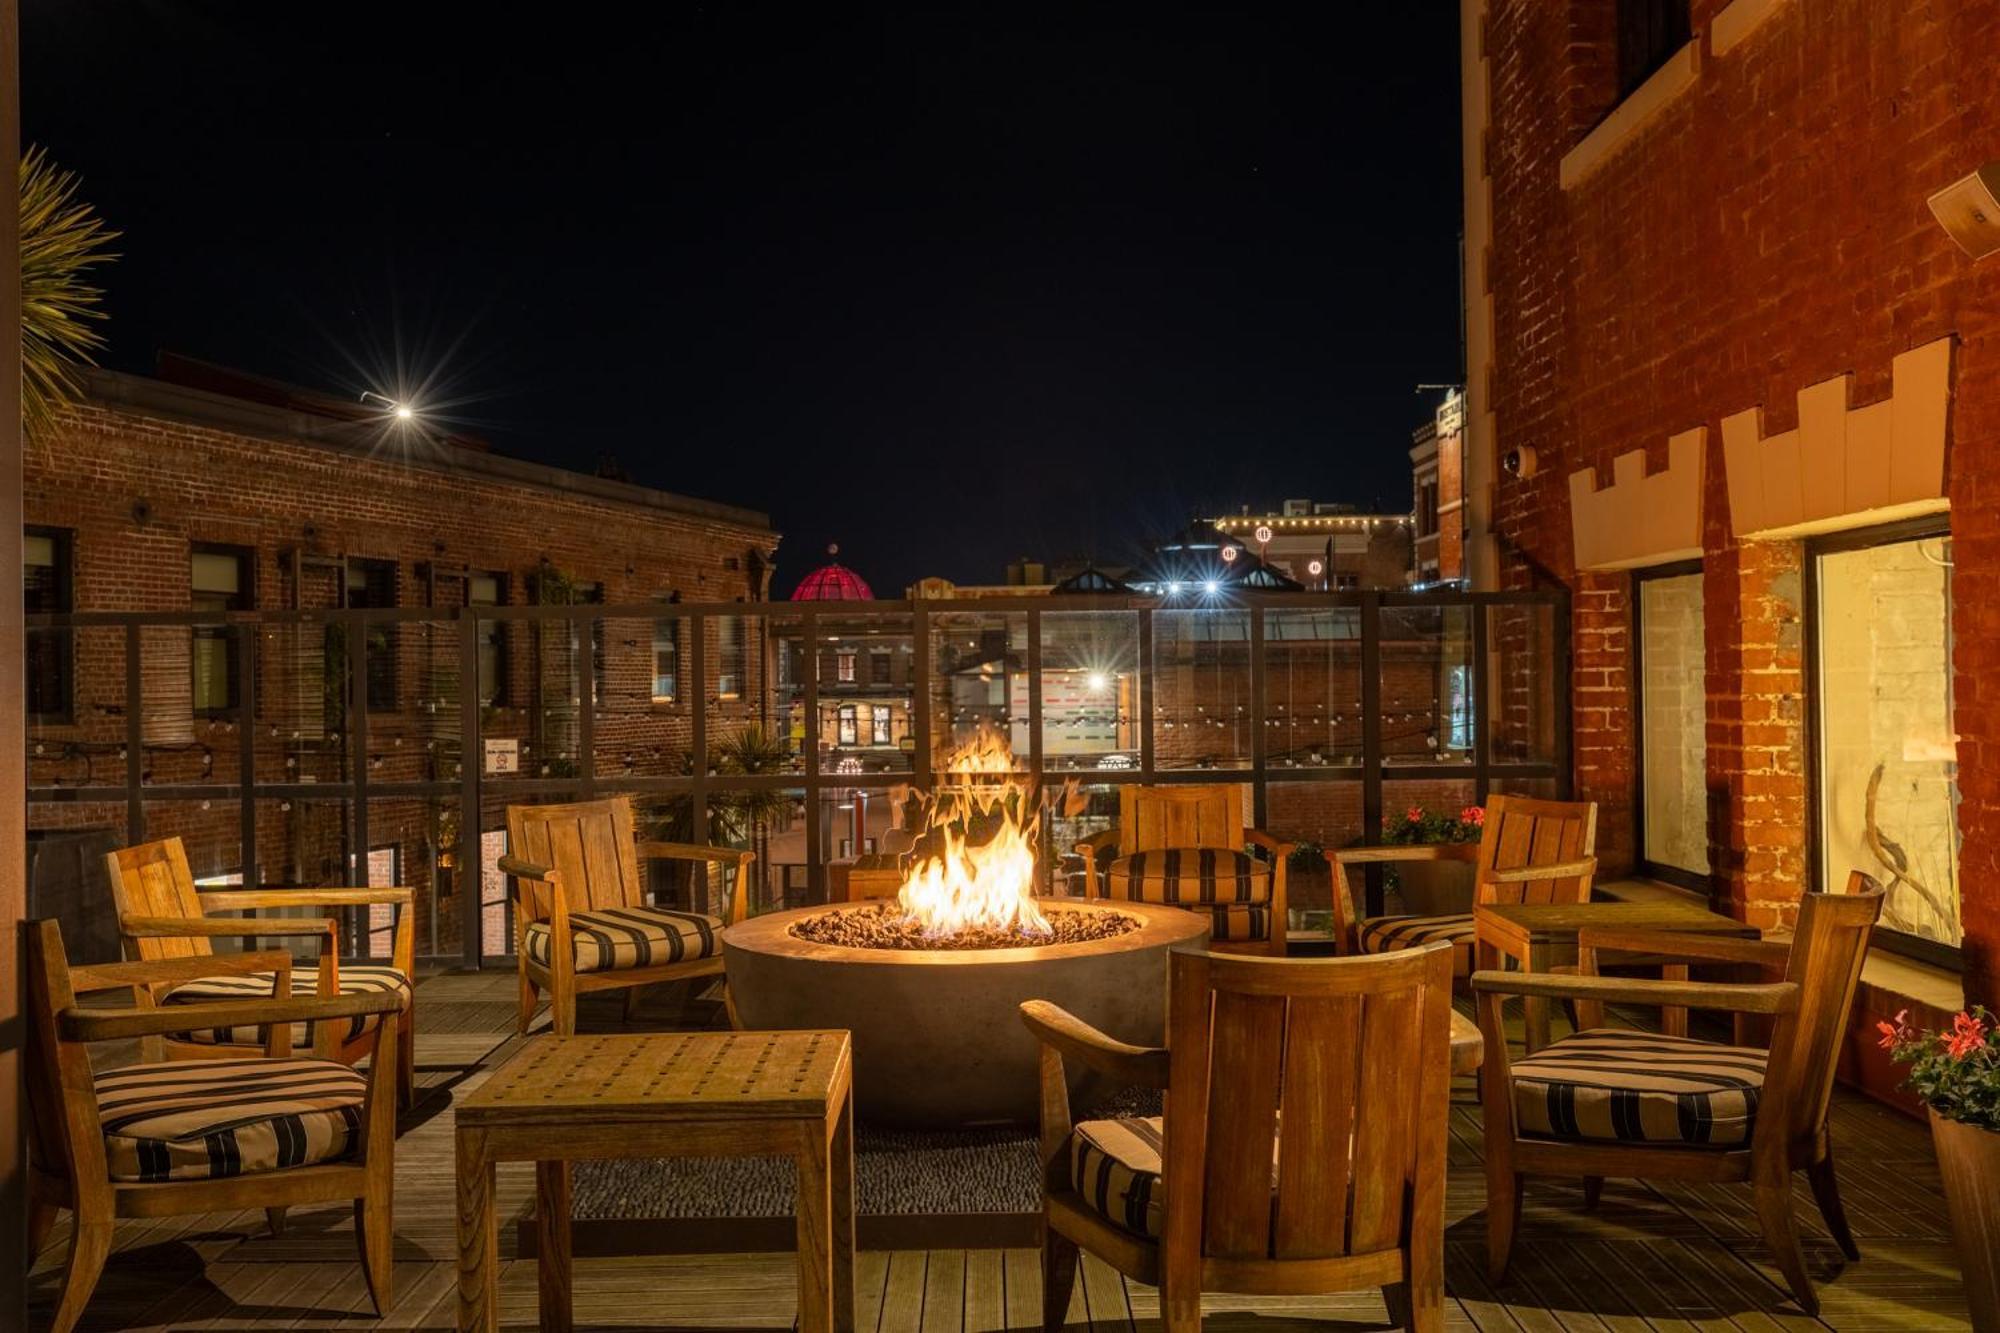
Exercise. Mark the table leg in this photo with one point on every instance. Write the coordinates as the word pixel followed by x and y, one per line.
pixel 1674 1017
pixel 815 1228
pixel 1535 1009
pixel 842 1149
pixel 552 1231
pixel 478 1236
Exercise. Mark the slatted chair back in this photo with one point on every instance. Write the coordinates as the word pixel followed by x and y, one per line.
pixel 1828 950
pixel 590 847
pixel 1352 1057
pixel 153 879
pixel 1156 818
pixel 1523 832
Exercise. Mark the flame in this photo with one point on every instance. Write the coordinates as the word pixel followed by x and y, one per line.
pixel 984 884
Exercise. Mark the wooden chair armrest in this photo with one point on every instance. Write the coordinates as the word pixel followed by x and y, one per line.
pixel 694 851
pixel 1062 1031
pixel 520 869
pixel 1278 849
pixel 1676 946
pixel 1088 846
pixel 230 900
pixel 116 1024
pixel 1584 867
pixel 1776 997
pixel 234 927
pixel 1434 851
pixel 169 971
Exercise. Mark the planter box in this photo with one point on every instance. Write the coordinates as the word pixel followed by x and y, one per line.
pixel 1969 1160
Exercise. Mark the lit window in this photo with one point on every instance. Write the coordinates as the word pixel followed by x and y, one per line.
pixel 666 661
pixel 880 720
pixel 848 732
pixel 844 666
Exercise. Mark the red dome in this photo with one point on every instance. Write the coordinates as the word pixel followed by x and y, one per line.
pixel 833 582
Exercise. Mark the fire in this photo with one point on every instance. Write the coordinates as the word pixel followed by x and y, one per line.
pixel 981 829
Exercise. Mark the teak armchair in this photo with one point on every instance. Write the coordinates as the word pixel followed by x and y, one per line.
pixel 1529 851
pixel 215 1136
pixel 581 920
pixel 1352 1056
pixel 1616 1102
pixel 163 916
pixel 1185 846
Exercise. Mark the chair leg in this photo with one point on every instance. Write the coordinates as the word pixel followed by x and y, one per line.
pixel 275 1218
pixel 374 1230
pixel 1593 1190
pixel 89 1247
pixel 1826 1189
pixel 1423 1295
pixel 633 994
pixel 41 1221
pixel 406 1058
pixel 1180 1312
pixel 1503 1219
pixel 1774 1216
pixel 562 1010
pixel 1059 1265
pixel 531 996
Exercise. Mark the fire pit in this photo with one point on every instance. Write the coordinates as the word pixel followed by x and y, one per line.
pixel 931 983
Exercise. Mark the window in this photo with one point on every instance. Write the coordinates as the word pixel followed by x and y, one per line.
pixel 881 667
pixel 592 594
pixel 879 721
pixel 489 590
pixel 1673 727
pixel 47 589
pixel 849 732
pixel 219 581
pixel 1427 508
pixel 371 584
pixel 730 659
pixel 844 666
pixel 1884 733
pixel 666 661
pixel 1649 31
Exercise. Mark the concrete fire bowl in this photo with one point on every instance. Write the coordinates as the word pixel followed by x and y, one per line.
pixel 938 1038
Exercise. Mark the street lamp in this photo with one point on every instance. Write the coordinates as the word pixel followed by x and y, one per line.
pixel 399 410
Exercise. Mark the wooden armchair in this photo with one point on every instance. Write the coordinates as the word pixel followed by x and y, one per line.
pixel 178 1137
pixel 1616 1102
pixel 1351 1055
pixel 1185 846
pixel 1529 851
pixel 581 919
pixel 162 916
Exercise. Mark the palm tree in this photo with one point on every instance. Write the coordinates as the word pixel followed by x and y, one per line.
pixel 61 241
pixel 746 815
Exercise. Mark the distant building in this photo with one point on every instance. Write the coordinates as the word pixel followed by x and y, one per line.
pixel 1324 546
pixel 1437 466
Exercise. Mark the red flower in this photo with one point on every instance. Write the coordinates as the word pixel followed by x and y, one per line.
pixel 1473 815
pixel 1968 1037
pixel 1892 1033
pixel 1414 815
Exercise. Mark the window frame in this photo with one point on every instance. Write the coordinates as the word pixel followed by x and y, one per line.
pixel 1926 526
pixel 1680 878
pixel 63 546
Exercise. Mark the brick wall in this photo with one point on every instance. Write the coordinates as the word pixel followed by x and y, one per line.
pixel 1764 231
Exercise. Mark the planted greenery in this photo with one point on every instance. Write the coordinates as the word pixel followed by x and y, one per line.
pixel 62 240
pixel 1956 1073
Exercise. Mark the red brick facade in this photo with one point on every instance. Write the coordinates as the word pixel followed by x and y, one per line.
pixel 1764 230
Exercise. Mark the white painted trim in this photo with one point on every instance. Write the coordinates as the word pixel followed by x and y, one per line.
pixel 1736 21
pixel 1665 84
pixel 1866 518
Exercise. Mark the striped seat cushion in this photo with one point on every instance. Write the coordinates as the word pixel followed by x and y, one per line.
pixel 1234 888
pixel 1386 934
pixel 201 1119
pixel 610 939
pixel 1115 1166
pixel 354 980
pixel 1618 1086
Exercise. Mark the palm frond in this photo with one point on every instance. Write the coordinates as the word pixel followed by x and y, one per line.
pixel 61 241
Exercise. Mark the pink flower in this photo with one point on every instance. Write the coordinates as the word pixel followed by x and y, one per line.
pixel 1414 815
pixel 1893 1033
pixel 1968 1037
pixel 1473 815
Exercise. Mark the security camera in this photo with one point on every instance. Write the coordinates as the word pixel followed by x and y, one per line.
pixel 1518 461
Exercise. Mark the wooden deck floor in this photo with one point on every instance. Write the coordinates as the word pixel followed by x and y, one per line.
pixel 1650 1258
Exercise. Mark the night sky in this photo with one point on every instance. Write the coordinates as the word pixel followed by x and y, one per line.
pixel 947 287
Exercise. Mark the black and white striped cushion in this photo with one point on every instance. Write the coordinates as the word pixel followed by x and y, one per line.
pixel 1115 1166
pixel 610 939
pixel 1618 1086
pixel 1233 887
pixel 203 1119
pixel 1387 934
pixel 355 979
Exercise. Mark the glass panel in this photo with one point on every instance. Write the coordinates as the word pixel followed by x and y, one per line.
pixel 420 740
pixel 736 664
pixel 549 738
pixel 1888 758
pixel 1312 687
pixel 1090 690
pixel 867 690
pixel 1427 890
pixel 82 744
pixel 301 702
pixel 979 679
pixel 1064 825
pixel 1201 689
pixel 413 844
pixel 1521 682
pixel 784 666
pixel 67 844
pixel 1426 690
pixel 1319 817
pixel 644 721
pixel 1673 723
pixel 496 906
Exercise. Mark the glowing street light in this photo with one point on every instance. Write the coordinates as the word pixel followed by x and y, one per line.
pixel 399 410
pixel 1098 680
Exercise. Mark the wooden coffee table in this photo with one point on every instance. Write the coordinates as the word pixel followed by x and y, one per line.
pixel 681 1094
pixel 1539 936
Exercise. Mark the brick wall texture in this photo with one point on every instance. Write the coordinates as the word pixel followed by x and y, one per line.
pixel 1765 230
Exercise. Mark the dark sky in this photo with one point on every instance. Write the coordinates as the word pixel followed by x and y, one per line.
pixel 946 286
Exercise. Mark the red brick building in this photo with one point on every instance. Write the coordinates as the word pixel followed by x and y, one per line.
pixel 1437 473
pixel 1733 384
pixel 161 497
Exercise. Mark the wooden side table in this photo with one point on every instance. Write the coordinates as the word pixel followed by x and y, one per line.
pixel 1541 936
pixel 682 1094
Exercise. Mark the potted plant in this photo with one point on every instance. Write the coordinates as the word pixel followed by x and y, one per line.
pixel 1956 1075
pixel 1434 888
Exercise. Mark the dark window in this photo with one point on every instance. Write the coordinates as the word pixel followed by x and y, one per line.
pixel 490 590
pixel 880 668
pixel 1649 31
pixel 731 657
pixel 371 584
pixel 47 588
pixel 592 594
pixel 1427 508
pixel 219 581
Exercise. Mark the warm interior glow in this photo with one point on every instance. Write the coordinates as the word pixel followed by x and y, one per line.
pixel 981 872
